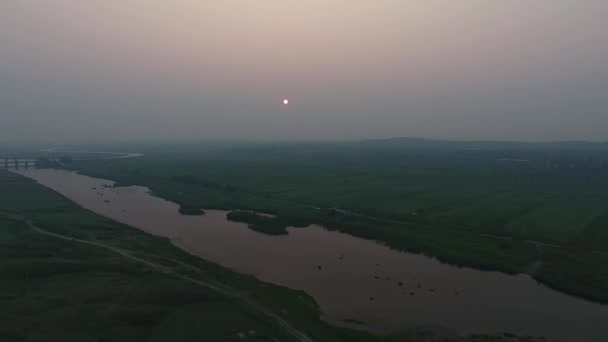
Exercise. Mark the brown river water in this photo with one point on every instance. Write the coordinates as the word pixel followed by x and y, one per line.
pixel 357 279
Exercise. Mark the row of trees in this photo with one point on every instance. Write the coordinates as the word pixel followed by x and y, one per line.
pixel 193 180
pixel 47 163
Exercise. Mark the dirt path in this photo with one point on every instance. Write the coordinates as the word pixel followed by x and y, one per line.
pixel 163 269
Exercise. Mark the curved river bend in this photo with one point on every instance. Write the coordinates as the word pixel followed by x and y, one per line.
pixel 350 278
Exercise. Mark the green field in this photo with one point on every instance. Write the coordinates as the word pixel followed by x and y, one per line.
pixel 483 204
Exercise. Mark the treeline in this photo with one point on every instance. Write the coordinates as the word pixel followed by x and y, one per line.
pixel 47 163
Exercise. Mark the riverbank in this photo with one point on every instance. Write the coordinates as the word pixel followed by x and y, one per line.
pixel 58 288
pixel 572 268
pixel 352 279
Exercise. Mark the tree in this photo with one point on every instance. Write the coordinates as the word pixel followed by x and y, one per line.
pixel 46 163
pixel 66 160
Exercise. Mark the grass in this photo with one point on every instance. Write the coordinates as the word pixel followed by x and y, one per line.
pixel 52 290
pixel 442 193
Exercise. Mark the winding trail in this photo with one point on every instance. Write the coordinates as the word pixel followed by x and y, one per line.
pixel 298 335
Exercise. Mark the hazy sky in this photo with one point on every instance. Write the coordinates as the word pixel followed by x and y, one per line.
pixel 196 69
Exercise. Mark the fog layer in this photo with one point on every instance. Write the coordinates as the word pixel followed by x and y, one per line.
pixel 193 69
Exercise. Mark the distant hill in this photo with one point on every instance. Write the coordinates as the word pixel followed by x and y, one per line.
pixel 407 142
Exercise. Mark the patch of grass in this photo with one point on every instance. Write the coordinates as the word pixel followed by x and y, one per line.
pixel 52 289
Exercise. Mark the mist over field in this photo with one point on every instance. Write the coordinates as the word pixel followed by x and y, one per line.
pixel 304 170
pixel 139 70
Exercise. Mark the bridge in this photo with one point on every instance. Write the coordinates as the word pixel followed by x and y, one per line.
pixel 17 163
pixel 13 162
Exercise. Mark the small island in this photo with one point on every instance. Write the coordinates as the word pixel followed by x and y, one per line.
pixel 190 210
pixel 259 223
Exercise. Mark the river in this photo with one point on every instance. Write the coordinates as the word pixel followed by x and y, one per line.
pixel 350 278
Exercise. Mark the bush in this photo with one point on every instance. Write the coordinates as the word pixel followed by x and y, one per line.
pixel 66 160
